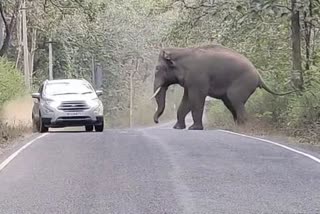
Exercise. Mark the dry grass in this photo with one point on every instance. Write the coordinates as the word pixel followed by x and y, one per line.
pixel 308 134
pixel 220 118
pixel 15 119
pixel 254 125
pixel 18 111
pixel 9 132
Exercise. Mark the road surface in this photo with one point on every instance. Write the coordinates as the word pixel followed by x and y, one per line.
pixel 158 170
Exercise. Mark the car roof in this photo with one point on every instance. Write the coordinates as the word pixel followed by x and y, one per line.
pixel 66 81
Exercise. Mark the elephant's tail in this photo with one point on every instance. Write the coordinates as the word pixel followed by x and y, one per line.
pixel 265 87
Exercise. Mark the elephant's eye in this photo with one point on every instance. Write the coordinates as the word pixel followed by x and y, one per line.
pixel 158 68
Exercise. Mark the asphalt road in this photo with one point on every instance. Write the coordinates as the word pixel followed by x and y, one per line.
pixel 161 171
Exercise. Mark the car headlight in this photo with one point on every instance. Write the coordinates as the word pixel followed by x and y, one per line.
pixel 99 110
pixel 93 103
pixel 53 103
pixel 49 105
pixel 46 110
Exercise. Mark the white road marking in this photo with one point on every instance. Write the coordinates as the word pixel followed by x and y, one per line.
pixel 11 157
pixel 276 144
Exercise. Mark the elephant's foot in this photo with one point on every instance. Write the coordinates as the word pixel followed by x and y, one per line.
pixel 179 126
pixel 241 122
pixel 196 127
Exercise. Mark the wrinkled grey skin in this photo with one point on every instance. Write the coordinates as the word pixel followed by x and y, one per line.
pixel 213 71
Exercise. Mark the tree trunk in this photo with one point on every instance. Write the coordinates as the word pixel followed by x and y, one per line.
pixel 131 99
pixel 93 72
pixel 25 47
pixel 132 73
pixel 19 37
pixel 32 52
pixel 8 27
pixel 98 76
pixel 296 74
pixel 50 60
pixel 307 34
pixel 1 32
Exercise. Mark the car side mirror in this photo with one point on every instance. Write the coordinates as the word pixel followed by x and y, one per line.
pixel 36 95
pixel 99 93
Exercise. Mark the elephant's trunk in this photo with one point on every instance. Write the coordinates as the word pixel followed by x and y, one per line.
pixel 161 102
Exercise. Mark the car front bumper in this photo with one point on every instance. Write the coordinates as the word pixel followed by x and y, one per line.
pixel 57 118
pixel 72 121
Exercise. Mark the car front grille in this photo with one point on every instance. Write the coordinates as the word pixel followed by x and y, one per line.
pixel 76 118
pixel 73 106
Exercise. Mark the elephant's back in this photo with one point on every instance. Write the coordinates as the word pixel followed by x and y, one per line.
pixel 224 67
pixel 219 61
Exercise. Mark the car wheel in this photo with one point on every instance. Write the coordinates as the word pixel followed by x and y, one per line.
pixel 42 128
pixel 89 128
pixel 99 128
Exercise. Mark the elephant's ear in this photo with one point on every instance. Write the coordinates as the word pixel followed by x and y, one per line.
pixel 167 56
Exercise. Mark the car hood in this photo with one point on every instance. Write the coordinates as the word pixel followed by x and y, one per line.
pixel 73 97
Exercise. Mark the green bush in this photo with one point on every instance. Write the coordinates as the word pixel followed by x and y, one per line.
pixel 218 116
pixel 11 81
pixel 268 107
pixel 304 110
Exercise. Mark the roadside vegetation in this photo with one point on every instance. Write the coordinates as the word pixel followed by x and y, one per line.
pixel 123 39
pixel 11 81
pixel 11 87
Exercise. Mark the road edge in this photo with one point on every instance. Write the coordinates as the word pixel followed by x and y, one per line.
pixel 275 144
pixel 5 163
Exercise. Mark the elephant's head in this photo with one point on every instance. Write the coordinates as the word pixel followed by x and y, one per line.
pixel 165 75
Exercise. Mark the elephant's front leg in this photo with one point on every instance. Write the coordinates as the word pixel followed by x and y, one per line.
pixel 183 110
pixel 197 100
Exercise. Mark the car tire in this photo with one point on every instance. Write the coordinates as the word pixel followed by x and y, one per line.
pixel 42 128
pixel 89 128
pixel 99 128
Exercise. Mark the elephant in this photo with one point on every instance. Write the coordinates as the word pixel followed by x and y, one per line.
pixel 212 70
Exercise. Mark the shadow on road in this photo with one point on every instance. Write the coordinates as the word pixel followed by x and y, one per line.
pixel 68 130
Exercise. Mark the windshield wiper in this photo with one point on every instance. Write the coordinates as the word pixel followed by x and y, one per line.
pixel 64 93
pixel 87 92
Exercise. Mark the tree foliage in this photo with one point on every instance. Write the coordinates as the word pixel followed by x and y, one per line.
pixel 11 81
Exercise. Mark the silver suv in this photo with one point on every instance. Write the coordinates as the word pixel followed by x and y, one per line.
pixel 67 102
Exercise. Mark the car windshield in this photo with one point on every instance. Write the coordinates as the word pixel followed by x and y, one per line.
pixel 64 88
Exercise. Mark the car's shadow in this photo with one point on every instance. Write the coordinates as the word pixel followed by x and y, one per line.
pixel 67 130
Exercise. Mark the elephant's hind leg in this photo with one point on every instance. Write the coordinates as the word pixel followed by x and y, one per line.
pixel 241 114
pixel 238 97
pixel 238 94
pixel 183 110
pixel 229 105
